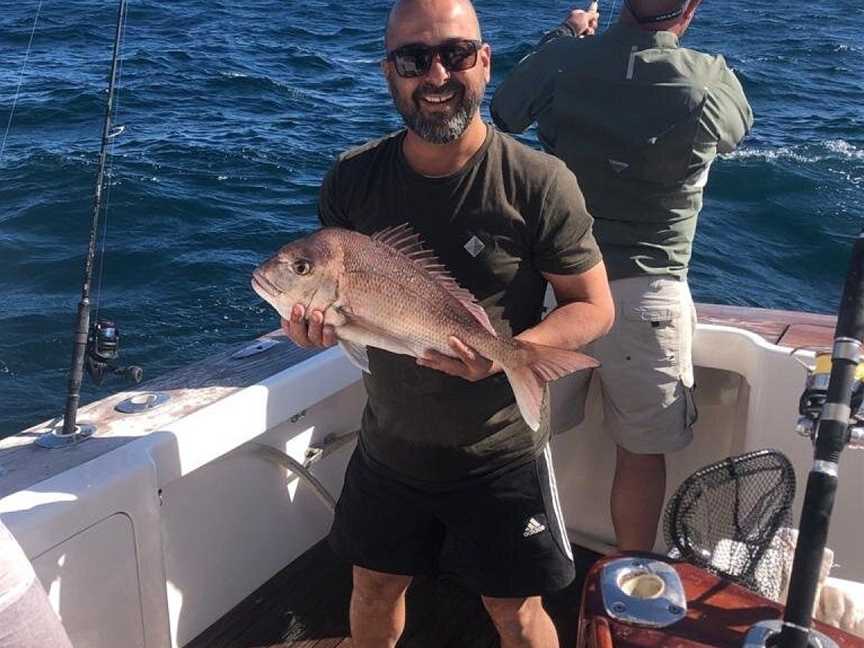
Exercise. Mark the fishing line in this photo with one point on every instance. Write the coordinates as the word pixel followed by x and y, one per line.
pixel 611 14
pixel 110 171
pixel 20 80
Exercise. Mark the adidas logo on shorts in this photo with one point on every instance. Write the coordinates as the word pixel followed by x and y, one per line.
pixel 533 528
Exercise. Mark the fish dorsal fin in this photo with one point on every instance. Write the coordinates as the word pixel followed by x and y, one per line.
pixel 404 240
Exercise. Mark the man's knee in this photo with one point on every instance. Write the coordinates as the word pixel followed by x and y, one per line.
pixel 628 458
pixel 374 587
pixel 513 617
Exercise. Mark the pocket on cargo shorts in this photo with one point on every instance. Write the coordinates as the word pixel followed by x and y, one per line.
pixel 651 336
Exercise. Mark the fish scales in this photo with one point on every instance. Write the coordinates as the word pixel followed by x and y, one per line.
pixel 398 292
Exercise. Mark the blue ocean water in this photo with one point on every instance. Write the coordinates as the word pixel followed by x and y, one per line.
pixel 234 110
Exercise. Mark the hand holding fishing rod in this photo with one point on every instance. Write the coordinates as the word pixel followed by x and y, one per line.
pixel 584 22
pixel 578 24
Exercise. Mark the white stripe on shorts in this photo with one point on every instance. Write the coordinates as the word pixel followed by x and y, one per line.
pixel 556 504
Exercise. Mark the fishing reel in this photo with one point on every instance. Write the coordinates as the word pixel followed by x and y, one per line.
pixel 103 350
pixel 816 393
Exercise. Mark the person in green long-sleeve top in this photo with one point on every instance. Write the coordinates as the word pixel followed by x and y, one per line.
pixel 639 120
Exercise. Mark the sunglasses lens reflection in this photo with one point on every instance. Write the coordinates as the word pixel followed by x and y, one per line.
pixel 415 60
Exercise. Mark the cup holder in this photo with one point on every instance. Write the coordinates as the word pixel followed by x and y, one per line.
pixel 641 584
pixel 643 592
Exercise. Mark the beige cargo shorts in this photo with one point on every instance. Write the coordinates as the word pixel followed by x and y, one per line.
pixel 646 373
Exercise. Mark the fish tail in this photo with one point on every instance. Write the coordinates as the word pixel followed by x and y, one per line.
pixel 543 364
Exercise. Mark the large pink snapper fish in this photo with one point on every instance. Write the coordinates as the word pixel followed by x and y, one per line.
pixel 387 291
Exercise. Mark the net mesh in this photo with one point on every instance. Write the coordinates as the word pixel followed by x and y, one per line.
pixel 726 517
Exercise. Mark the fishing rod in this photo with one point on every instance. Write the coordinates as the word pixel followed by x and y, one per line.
pixel 102 341
pixel 835 408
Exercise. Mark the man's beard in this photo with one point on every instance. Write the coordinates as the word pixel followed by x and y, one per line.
pixel 440 127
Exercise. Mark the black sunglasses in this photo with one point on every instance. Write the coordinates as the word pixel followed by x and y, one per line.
pixel 414 60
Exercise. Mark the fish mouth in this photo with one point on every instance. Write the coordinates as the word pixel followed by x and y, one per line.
pixel 264 287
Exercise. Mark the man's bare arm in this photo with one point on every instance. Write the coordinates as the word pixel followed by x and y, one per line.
pixel 585 310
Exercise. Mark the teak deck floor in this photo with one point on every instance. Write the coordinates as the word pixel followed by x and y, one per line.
pixel 306 606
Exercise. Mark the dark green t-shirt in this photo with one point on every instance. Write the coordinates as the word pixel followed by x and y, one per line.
pixel 509 215
pixel 639 120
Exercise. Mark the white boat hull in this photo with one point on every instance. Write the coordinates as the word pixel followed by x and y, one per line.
pixel 151 543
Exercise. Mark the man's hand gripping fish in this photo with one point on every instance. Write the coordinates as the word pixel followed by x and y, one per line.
pixel 387 291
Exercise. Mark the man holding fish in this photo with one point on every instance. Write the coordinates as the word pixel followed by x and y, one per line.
pixel 639 120
pixel 431 271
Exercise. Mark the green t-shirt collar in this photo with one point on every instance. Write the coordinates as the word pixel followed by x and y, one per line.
pixel 470 164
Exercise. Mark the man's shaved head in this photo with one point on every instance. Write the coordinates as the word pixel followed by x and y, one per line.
pixel 410 20
pixel 440 102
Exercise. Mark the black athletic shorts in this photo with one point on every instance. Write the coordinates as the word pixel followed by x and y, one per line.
pixel 503 536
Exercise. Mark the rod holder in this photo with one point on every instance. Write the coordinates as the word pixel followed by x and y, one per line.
pixel 55 438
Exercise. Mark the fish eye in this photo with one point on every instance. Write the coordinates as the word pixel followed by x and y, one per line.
pixel 302 267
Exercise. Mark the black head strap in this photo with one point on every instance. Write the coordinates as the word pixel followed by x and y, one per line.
pixel 668 15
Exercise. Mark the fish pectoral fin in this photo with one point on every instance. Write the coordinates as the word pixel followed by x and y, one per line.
pixel 365 333
pixel 356 354
pixel 355 340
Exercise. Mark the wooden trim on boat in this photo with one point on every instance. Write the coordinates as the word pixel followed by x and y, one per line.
pixel 196 386
pixel 719 614
pixel 598 634
pixel 784 328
